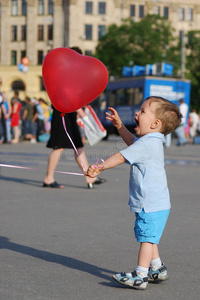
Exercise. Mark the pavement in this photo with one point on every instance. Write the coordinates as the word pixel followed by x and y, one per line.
pixel 67 244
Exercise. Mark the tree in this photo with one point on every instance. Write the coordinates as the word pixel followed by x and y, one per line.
pixel 146 42
pixel 193 66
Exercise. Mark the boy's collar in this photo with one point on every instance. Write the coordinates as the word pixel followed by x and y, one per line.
pixel 153 134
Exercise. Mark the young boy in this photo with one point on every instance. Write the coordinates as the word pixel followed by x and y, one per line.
pixel 149 195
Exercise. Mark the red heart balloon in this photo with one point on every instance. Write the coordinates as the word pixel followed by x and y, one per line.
pixel 72 80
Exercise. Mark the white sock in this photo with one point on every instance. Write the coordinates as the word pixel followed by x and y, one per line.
pixel 156 263
pixel 141 271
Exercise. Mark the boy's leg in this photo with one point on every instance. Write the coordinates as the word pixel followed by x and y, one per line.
pixel 149 256
pixel 148 253
pixel 145 254
pixel 157 270
pixel 155 252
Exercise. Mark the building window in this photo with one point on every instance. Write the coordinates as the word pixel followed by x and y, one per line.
pixel 14 33
pixel 141 11
pixel 102 8
pixel 166 12
pixel 50 32
pixel 88 7
pixel 14 7
pixel 23 54
pixel 23 32
pixel 189 14
pixel 40 7
pixel 88 52
pixel 24 8
pixel 132 10
pixel 181 14
pixel 101 31
pixel 50 7
pixel 156 10
pixel 88 32
pixel 40 32
pixel 40 57
pixel 13 58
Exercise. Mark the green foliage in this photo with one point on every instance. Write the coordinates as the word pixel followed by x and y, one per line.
pixel 193 66
pixel 146 42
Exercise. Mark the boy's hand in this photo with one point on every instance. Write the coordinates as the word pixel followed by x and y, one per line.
pixel 114 118
pixel 93 171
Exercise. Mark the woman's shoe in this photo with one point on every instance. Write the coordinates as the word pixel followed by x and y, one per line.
pixel 53 185
pixel 99 180
pixel 90 185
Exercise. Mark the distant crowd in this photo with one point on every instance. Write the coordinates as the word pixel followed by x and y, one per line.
pixel 30 120
pixel 23 120
pixel 190 125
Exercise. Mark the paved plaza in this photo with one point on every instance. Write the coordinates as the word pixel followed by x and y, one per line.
pixel 67 244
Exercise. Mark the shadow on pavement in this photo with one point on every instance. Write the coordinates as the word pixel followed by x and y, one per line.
pixel 66 261
pixel 37 183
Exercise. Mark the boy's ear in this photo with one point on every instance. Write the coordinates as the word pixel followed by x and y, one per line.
pixel 157 123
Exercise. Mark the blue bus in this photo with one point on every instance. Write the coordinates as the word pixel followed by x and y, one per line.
pixel 127 94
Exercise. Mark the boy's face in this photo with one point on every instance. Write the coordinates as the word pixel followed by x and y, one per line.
pixel 145 118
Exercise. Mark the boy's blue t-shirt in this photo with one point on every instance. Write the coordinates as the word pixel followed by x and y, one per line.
pixel 148 182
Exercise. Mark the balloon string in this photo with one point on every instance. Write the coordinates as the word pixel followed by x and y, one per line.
pixel 70 173
pixel 96 165
pixel 61 172
pixel 26 168
pixel 64 125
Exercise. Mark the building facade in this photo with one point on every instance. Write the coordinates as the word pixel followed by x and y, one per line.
pixel 31 28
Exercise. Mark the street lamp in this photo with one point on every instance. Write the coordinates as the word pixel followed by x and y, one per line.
pixel 182 54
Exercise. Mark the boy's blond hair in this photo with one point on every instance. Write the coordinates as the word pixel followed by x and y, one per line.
pixel 167 112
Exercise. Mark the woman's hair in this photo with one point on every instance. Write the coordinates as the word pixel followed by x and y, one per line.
pixel 77 49
pixel 167 112
pixel 28 99
pixel 14 100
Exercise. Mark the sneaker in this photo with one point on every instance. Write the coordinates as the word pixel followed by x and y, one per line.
pixel 33 141
pixel 159 275
pixel 132 280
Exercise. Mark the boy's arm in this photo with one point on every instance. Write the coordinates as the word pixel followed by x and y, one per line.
pixel 126 135
pixel 111 162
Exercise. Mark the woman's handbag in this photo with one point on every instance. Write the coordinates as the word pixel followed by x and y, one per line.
pixel 94 130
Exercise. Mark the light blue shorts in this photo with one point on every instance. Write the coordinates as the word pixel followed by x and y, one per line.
pixel 150 226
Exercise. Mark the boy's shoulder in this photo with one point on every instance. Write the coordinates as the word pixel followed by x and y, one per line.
pixel 151 143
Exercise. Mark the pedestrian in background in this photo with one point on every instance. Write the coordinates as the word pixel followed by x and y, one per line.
pixel 194 121
pixel 38 118
pixel 15 119
pixel 180 130
pixel 47 113
pixel 7 110
pixel 1 122
pixel 27 118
